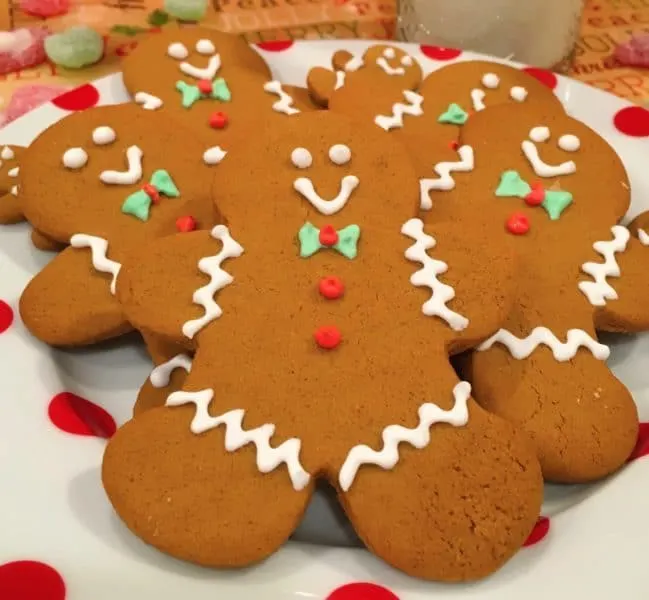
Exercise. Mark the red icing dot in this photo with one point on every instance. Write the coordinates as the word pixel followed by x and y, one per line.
pixel 151 192
pixel 80 98
pixel 6 316
pixel 439 52
pixel 536 196
pixel 642 445
pixel 539 531
pixel 518 224
pixel 547 78
pixel 328 236
pixel 78 416
pixel 331 287
pixel 362 591
pixel 218 120
pixel 275 45
pixel 633 121
pixel 205 86
pixel 454 145
pixel 30 580
pixel 185 224
pixel 327 337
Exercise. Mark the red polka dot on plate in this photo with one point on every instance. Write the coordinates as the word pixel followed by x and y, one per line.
pixel 6 316
pixel 362 591
pixel 79 98
pixel 547 78
pixel 76 415
pixel 276 45
pixel 633 121
pixel 439 52
pixel 642 445
pixel 30 580
pixel 539 531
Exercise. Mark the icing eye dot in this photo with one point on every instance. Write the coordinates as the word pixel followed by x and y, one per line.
pixel 406 60
pixel 569 143
pixel 205 47
pixel 389 53
pixel 177 51
pixel 340 154
pixel 103 135
pixel 518 93
pixel 301 158
pixel 491 80
pixel 540 134
pixel 75 158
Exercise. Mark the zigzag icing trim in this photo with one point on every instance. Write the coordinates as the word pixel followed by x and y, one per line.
pixel 522 347
pixel 393 435
pixel 285 102
pixel 211 265
pixel 427 276
pixel 413 108
pixel 445 182
pixel 98 251
pixel 268 458
pixel 599 291
pixel 161 375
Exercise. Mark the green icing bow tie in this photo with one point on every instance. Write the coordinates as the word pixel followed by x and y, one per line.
pixel 139 203
pixel 344 240
pixel 454 115
pixel 512 185
pixel 193 93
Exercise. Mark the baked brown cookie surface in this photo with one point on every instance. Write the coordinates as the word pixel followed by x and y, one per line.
pixel 10 208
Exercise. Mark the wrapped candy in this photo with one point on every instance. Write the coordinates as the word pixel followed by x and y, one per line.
pixel 28 98
pixel 45 8
pixel 635 52
pixel 75 47
pixel 186 10
pixel 21 48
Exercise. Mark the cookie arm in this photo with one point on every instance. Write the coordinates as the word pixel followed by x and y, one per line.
pixel 10 210
pixel 340 59
pixel 321 84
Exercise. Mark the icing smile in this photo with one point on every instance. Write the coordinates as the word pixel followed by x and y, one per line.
pixel 537 135
pixel 205 47
pixel 209 72
pixel 348 184
pixel 383 63
pixel 129 177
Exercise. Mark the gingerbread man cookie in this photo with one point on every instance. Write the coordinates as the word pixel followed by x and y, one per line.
pixel 558 190
pixel 122 176
pixel 10 209
pixel 312 288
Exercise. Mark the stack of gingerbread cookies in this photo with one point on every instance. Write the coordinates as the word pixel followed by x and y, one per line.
pixel 304 263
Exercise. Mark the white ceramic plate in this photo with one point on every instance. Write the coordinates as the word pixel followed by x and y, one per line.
pixel 53 509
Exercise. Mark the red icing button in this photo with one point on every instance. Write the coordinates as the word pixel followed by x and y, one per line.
pixel 205 86
pixel 454 145
pixel 331 287
pixel 536 196
pixel 6 316
pixel 547 78
pixel 518 224
pixel 275 45
pixel 185 224
pixel 30 580
pixel 80 98
pixel 633 121
pixel 327 337
pixel 539 531
pixel 642 445
pixel 362 591
pixel 151 192
pixel 328 236
pixel 218 120
pixel 439 52
pixel 76 415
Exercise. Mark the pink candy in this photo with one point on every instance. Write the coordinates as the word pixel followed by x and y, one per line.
pixel 635 52
pixel 45 8
pixel 21 48
pixel 28 98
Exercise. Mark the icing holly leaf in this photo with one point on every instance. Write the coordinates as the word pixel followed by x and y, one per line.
pixel 158 17
pixel 512 186
pixel 309 241
pixel 454 115
pixel 163 182
pixel 137 204
pixel 556 201
pixel 348 241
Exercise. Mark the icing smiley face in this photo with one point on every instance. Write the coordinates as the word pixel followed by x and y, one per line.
pixel 204 47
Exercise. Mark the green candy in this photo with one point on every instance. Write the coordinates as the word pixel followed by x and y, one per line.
pixel 454 115
pixel 75 48
pixel 512 186
pixel 186 10
pixel 556 201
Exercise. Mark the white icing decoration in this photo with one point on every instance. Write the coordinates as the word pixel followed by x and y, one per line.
pixel 14 190
pixel 441 293
pixel 13 172
pixel 643 237
pixel 348 184
pixel 7 153
pixel 599 290
pixel 419 437
pixel 406 60
pixel 148 101
pixel 540 134
pixel 161 375
pixel 445 182
pixel 100 261
pixel 389 53
pixel 477 97
pixel 209 72
pixel 340 79
pixel 521 348
pixel 214 155
pixel 381 62
pixel 340 154
pixel 518 93
pixel 205 47
pixel 75 158
pixel 129 177
pixel 103 135
pixel 301 158
pixel 413 108
pixel 177 51
pixel 211 265
pixel 491 81
pixel 569 143
pixel 354 63
pixel 236 437
pixel 285 102
pixel 541 168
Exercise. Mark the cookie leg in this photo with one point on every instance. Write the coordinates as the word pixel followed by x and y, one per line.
pixel 45 243
pixel 186 495
pixel 455 510
pixel 69 303
pixel 10 210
